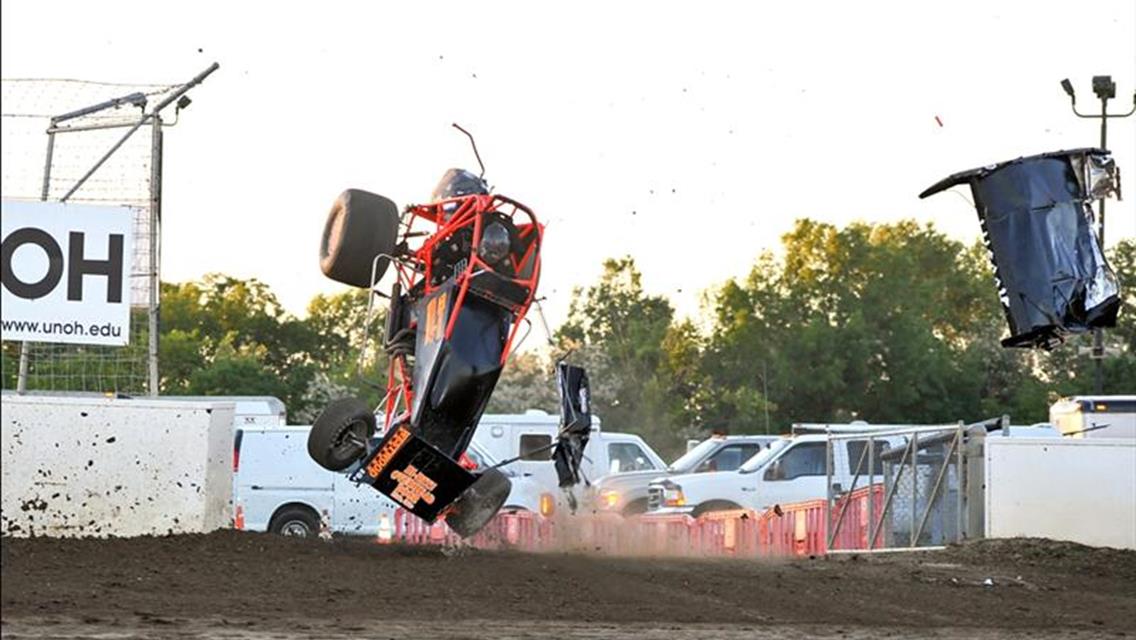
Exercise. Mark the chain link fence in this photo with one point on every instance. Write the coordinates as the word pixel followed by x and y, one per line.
pixel 91 143
pixel 924 510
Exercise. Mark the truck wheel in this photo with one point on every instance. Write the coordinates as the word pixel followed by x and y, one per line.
pixel 479 503
pixel 339 435
pixel 296 521
pixel 360 226
pixel 636 507
pixel 715 505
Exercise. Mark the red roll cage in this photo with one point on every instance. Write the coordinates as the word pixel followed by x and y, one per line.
pixel 414 268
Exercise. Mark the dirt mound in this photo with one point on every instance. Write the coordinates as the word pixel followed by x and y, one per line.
pixel 1053 555
pixel 267 582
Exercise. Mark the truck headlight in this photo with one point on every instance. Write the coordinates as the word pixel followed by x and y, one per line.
pixel 609 499
pixel 547 504
pixel 673 497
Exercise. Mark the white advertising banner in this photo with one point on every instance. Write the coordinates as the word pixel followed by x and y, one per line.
pixel 66 272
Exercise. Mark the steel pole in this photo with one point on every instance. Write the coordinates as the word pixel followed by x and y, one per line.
pixel 871 481
pixel 155 113
pixel 155 245
pixel 1098 332
pixel 958 481
pixel 25 349
pixel 914 485
pixel 828 489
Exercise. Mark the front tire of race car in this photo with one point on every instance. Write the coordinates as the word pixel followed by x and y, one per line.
pixel 360 227
pixel 477 505
pixel 339 435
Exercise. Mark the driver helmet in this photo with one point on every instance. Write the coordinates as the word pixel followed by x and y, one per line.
pixel 456 183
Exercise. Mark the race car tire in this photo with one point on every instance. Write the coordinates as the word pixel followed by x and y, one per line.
pixel 295 520
pixel 477 505
pixel 360 226
pixel 334 441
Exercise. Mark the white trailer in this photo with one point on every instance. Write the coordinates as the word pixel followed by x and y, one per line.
pixel 1095 416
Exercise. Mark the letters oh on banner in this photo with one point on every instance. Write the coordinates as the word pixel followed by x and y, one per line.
pixel 66 272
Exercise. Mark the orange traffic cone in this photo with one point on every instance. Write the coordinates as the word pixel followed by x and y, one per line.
pixel 386 534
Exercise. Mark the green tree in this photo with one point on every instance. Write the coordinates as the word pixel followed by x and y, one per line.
pixel 866 322
pixel 231 372
pixel 528 382
pixel 227 336
pixel 622 335
pixel 346 350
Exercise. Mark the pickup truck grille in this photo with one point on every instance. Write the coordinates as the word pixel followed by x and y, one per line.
pixel 654 498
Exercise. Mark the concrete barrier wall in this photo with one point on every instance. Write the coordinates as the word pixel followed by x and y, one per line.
pixel 80 466
pixel 1083 490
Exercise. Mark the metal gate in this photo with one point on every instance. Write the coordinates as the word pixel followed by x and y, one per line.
pixel 925 488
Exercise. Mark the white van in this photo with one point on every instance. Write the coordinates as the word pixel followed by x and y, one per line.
pixel 530 437
pixel 277 487
pixel 790 470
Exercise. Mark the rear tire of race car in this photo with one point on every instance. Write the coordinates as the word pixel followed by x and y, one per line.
pixel 334 441
pixel 360 226
pixel 477 505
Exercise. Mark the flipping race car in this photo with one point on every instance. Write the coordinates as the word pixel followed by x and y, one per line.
pixel 456 305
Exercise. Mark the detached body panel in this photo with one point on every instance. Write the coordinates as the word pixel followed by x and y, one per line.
pixel 1037 223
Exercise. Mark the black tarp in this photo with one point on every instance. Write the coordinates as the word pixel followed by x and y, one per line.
pixel 1037 223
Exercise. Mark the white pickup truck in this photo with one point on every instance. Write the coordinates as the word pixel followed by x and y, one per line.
pixel 790 470
pixel 625 492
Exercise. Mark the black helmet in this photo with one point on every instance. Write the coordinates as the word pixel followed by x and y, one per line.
pixel 458 182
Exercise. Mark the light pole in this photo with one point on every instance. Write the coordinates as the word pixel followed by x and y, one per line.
pixel 1105 89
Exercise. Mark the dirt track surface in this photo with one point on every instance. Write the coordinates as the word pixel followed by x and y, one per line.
pixel 252 586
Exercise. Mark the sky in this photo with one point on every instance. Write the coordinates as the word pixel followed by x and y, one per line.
pixel 687 135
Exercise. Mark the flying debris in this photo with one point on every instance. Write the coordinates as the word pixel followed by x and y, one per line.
pixel 1038 226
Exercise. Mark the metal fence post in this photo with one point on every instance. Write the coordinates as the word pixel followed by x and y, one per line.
pixel 828 483
pixel 975 483
pixel 22 375
pixel 960 430
pixel 914 485
pixel 155 246
pixel 871 482
pixel 25 350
